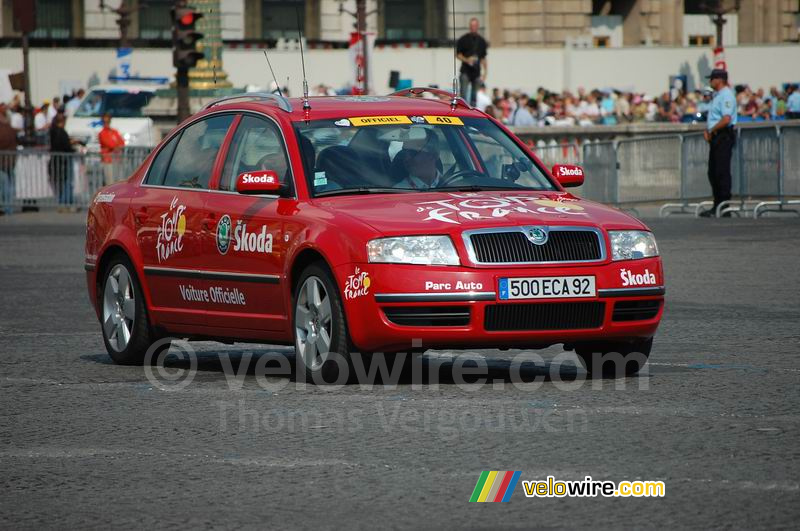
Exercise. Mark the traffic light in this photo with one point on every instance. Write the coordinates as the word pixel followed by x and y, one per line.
pixel 25 15
pixel 184 37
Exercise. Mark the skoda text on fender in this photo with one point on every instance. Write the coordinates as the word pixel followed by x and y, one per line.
pixel 359 225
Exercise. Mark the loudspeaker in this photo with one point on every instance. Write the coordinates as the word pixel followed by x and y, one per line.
pixel 394 78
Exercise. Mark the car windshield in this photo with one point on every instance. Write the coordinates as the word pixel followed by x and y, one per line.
pixel 405 154
pixel 120 103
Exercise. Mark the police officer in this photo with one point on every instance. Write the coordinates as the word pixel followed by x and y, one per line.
pixel 720 134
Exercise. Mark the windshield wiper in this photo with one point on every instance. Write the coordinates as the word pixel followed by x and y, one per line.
pixel 474 188
pixel 364 190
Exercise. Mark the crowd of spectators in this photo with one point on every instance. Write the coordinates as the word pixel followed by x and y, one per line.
pixel 612 107
pixel 43 114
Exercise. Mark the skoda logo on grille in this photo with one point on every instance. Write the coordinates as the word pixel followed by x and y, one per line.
pixel 536 235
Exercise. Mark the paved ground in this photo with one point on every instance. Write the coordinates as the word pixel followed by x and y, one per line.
pixel 84 443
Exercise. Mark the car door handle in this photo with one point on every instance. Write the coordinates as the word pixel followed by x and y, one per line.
pixel 209 220
pixel 141 217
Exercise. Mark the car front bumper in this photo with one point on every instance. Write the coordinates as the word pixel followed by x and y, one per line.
pixel 392 307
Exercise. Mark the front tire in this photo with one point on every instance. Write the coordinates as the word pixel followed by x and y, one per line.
pixel 123 321
pixel 322 342
pixel 614 359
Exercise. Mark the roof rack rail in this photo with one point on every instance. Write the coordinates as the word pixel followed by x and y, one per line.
pixel 282 102
pixel 445 95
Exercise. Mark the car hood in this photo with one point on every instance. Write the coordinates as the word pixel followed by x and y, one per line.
pixel 440 212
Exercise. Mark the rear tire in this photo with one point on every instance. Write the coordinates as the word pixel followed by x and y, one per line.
pixel 123 314
pixel 599 359
pixel 322 341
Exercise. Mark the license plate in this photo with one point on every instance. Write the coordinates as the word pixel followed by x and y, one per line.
pixel 546 287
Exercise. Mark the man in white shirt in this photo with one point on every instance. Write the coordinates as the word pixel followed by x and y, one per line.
pixel 421 169
pixel 72 105
pixel 482 100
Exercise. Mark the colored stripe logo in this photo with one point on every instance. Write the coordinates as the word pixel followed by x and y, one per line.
pixel 495 486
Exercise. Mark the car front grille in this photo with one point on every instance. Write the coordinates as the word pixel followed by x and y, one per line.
pixel 635 310
pixel 428 315
pixel 544 316
pixel 514 247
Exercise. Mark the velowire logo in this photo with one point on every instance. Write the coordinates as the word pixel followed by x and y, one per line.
pixel 495 486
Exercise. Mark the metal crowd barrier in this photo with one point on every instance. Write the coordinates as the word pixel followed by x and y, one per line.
pixel 36 178
pixel 765 168
pixel 670 169
pixel 673 169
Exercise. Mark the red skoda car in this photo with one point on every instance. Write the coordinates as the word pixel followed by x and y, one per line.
pixel 368 225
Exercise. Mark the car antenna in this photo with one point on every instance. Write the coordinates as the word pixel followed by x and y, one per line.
pixel 275 79
pixel 454 101
pixel 306 105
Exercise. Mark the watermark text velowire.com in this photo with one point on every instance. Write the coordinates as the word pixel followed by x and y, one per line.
pixel 172 364
pixel 494 486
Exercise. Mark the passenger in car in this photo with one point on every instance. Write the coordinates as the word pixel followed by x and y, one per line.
pixel 275 162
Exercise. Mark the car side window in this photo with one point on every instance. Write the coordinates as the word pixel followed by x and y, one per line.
pixel 193 160
pixel 256 145
pixel 158 169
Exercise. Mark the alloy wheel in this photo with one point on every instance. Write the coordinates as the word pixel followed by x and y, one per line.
pixel 119 308
pixel 312 321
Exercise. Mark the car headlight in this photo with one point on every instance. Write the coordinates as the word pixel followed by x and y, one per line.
pixel 632 244
pixel 427 250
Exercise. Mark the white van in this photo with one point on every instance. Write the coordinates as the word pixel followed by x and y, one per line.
pixel 125 103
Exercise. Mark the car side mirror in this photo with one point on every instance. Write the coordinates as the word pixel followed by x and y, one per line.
pixel 258 182
pixel 568 175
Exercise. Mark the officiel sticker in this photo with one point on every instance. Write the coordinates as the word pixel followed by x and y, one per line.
pixel 443 120
pixel 224 234
pixel 475 206
pixel 171 231
pixel 379 120
pixel 344 122
pixel 104 198
pixel 629 278
pixel 357 284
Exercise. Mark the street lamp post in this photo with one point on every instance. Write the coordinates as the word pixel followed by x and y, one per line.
pixel 361 15
pixel 719 10
pixel 124 13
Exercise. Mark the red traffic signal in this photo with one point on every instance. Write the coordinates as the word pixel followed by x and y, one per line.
pixel 184 18
pixel 184 37
pixel 190 18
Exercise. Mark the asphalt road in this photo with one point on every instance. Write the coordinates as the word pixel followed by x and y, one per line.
pixel 84 443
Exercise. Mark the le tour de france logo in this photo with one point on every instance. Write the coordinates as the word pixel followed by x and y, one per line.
pixel 459 208
pixel 171 231
pixel 357 284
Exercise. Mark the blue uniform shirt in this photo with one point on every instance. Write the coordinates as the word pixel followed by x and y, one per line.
pixel 793 103
pixel 723 104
